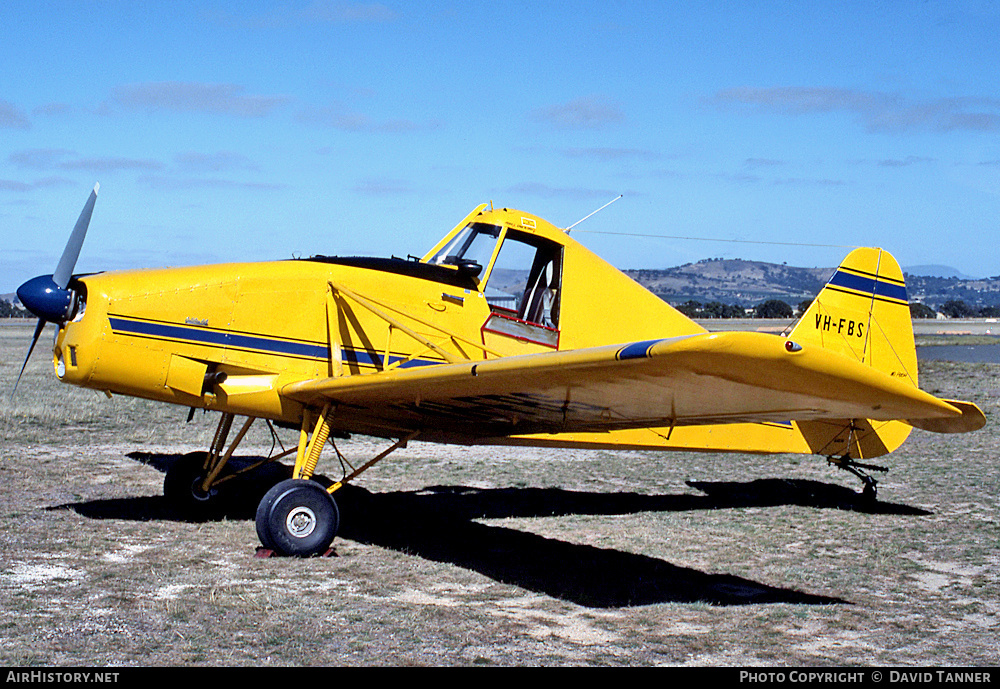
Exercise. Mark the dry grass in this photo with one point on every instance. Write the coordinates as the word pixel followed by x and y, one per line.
pixel 455 556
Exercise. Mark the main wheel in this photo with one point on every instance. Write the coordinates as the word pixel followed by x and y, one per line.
pixel 297 517
pixel 182 484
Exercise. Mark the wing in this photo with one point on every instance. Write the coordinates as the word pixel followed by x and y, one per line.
pixel 707 378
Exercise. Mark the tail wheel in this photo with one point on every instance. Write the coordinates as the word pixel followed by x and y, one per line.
pixel 297 517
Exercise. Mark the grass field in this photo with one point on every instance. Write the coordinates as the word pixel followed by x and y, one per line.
pixel 492 556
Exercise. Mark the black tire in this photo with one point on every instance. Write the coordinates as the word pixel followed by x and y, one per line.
pixel 182 485
pixel 298 518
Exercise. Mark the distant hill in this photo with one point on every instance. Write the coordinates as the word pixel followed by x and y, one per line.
pixel 936 271
pixel 935 291
pixel 747 283
pixel 733 281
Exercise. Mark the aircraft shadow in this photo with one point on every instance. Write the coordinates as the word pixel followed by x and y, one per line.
pixel 439 523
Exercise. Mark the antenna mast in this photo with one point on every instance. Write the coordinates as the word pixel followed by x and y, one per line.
pixel 594 213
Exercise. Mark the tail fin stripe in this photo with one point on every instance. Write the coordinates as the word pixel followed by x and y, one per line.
pixel 871 286
pixel 867 295
pixel 864 273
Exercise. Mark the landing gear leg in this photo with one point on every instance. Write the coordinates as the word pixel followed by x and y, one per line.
pixel 189 483
pixel 870 491
pixel 196 483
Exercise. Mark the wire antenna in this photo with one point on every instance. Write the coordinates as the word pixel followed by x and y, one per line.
pixel 593 213
pixel 716 239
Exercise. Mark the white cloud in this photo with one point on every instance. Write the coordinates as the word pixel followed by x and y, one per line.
pixel 383 187
pixel 316 12
pixel 546 191
pixel 39 158
pixel 17 185
pixel 188 183
pixel 110 164
pixel 11 117
pixel 214 162
pixel 589 112
pixel 337 116
pixel 877 111
pixel 176 96
pixel 607 154
pixel 65 159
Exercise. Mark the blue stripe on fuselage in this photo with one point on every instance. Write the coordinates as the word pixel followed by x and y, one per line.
pixel 636 350
pixel 221 338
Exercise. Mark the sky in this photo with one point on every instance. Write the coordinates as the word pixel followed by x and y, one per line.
pixel 249 131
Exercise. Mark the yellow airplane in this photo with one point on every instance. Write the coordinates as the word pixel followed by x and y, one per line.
pixel 507 332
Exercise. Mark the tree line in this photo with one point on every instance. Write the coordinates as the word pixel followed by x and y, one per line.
pixel 771 308
pixel 955 308
pixel 9 310
pixel 775 308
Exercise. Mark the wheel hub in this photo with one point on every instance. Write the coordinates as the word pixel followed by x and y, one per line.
pixel 301 522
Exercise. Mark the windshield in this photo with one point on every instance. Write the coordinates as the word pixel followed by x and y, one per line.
pixel 471 247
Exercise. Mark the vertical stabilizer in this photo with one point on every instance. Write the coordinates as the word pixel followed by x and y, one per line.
pixel 863 313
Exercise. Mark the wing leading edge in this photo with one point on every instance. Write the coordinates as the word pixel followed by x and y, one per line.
pixel 712 378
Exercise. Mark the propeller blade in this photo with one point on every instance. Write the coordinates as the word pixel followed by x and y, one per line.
pixel 34 340
pixel 47 296
pixel 64 271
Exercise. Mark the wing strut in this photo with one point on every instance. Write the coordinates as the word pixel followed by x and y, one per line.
pixel 370 463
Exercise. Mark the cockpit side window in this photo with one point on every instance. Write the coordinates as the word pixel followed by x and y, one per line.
pixel 525 279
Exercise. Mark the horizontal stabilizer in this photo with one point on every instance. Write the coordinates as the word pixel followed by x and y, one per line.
pixel 972 419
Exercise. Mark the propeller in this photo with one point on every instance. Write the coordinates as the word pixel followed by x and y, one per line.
pixel 49 296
